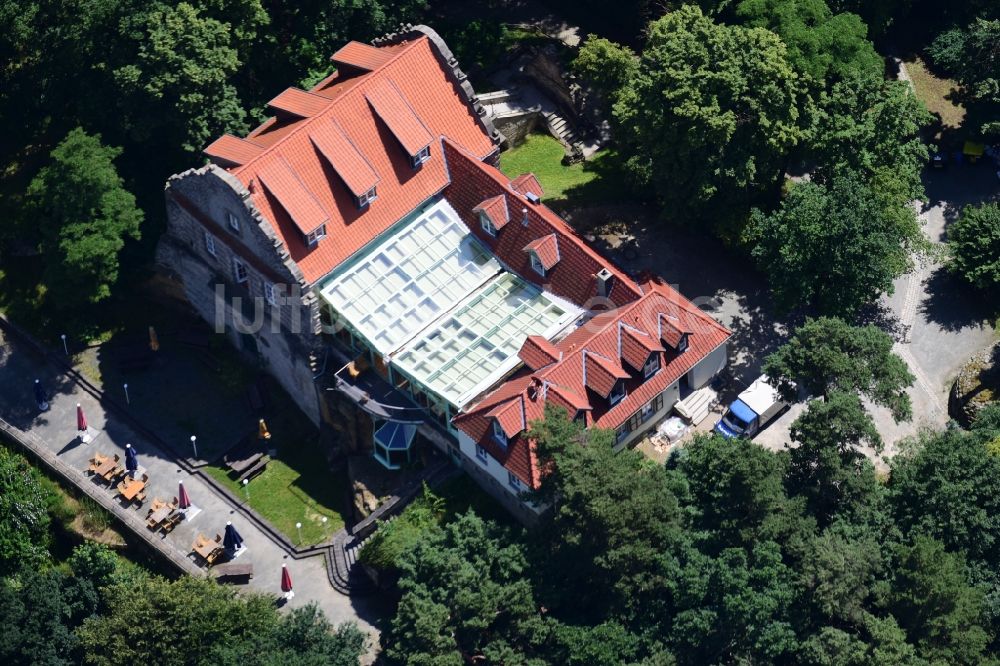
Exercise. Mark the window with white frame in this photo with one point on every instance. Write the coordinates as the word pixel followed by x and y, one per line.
pixel 270 295
pixel 498 434
pixel 367 198
pixel 484 221
pixel 422 156
pixel 234 222
pixel 536 264
pixel 514 482
pixel 240 271
pixel 617 392
pixel 482 455
pixel 652 365
pixel 682 344
pixel 210 244
pixel 313 236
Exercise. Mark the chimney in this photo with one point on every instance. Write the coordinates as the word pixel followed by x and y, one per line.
pixel 532 197
pixel 524 216
pixel 605 280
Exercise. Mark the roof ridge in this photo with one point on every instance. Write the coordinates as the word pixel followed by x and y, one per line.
pixel 322 114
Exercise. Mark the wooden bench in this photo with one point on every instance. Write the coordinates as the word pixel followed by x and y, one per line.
pixel 257 468
pixel 234 570
pixel 244 455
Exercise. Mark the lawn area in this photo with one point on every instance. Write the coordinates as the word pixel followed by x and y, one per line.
pixel 932 91
pixel 593 181
pixel 297 486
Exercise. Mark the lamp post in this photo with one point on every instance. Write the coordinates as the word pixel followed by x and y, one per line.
pixel 194 445
pixel 127 400
pixel 298 526
pixel 65 348
pixel 325 519
pixel 246 488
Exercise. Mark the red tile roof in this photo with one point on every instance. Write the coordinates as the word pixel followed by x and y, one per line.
pixel 299 103
pixel 546 249
pixel 595 346
pixel 636 346
pixel 359 56
pixel 573 277
pixel 537 352
pixel 300 205
pixel 510 416
pixel 495 209
pixel 526 183
pixel 430 89
pixel 398 115
pixel 344 157
pixel 233 151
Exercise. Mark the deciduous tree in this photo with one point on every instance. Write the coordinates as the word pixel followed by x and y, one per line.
pixel 87 215
pixel 828 354
pixel 974 243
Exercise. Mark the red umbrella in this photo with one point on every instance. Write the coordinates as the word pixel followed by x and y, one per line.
pixel 183 501
pixel 286 579
pixel 81 420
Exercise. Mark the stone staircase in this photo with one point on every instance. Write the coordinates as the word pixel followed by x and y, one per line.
pixel 695 407
pixel 346 574
pixel 561 128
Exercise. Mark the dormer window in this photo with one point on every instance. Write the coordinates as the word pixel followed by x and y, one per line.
pixel 420 157
pixel 617 393
pixel 498 434
pixel 536 264
pixel 315 235
pixel 682 344
pixel 367 198
pixel 652 365
pixel 487 225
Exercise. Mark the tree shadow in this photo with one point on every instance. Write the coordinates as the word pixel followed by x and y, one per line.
pixel 953 304
pixel 881 316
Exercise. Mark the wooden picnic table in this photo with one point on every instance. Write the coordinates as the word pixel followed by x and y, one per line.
pixel 207 549
pixel 129 488
pixel 106 469
pixel 158 516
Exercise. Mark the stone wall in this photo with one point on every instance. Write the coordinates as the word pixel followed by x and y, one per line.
pixel 200 248
pixel 517 126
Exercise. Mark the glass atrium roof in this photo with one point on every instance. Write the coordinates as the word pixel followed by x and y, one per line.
pixel 472 347
pixel 417 274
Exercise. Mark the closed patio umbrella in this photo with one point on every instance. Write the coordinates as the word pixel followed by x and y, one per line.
pixel 232 539
pixel 40 397
pixel 154 341
pixel 262 432
pixel 286 582
pixel 81 424
pixel 131 462
pixel 183 501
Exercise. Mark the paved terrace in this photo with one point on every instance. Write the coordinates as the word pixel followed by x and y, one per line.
pixel 53 437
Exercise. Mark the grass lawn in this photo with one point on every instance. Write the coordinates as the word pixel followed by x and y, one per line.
pixel 296 487
pixel 932 91
pixel 593 181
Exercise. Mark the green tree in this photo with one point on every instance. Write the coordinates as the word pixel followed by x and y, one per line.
pixel 465 598
pixel 736 494
pixel 87 215
pixel 828 354
pixel 40 610
pixel 606 66
pixel 871 126
pixel 972 55
pixel 948 486
pixel 821 44
pixel 833 247
pixel 827 466
pixel 205 623
pixel 24 528
pixel 974 243
pixel 710 115
pixel 177 89
pixel 934 602
pixel 615 540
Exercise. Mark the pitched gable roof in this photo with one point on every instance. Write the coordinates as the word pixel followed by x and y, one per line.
pixel 546 249
pixel 635 345
pixel 298 202
pixel 426 83
pixel 398 115
pixel 527 183
pixel 510 416
pixel 298 103
pixel 537 352
pixel 495 210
